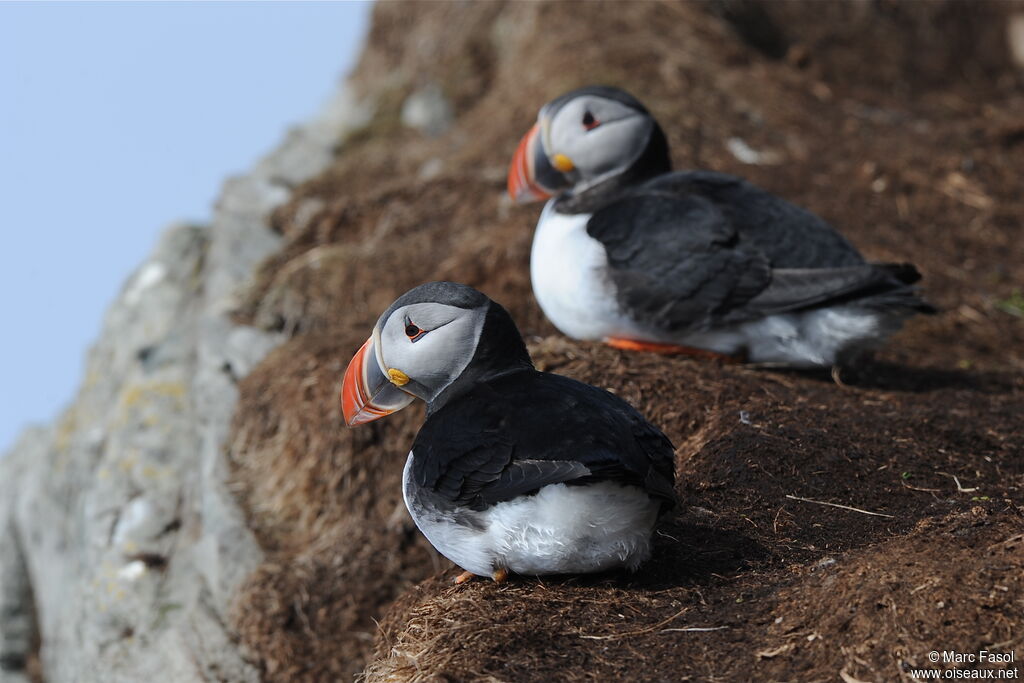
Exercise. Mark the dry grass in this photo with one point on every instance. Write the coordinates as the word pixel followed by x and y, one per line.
pixel 871 614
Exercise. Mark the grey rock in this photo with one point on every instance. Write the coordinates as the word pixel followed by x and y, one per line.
pixel 308 149
pixel 428 110
pixel 1015 37
pixel 122 545
pixel 430 169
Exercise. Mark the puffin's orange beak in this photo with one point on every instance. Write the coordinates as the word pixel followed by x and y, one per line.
pixel 368 394
pixel 522 183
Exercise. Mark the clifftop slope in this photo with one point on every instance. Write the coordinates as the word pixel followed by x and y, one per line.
pixel 200 513
pixel 898 123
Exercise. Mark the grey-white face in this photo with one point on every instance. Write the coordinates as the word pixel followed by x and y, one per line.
pixel 580 140
pixel 415 351
pixel 430 343
pixel 592 138
pixel 427 345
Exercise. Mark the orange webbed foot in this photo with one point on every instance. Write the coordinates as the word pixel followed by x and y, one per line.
pixel 672 350
pixel 499 576
pixel 463 578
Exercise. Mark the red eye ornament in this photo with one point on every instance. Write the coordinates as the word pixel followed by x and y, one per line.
pixel 413 332
pixel 589 122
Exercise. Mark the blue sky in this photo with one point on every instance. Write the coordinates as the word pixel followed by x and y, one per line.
pixel 115 120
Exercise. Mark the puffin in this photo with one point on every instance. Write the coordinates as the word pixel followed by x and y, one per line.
pixel 514 470
pixel 630 253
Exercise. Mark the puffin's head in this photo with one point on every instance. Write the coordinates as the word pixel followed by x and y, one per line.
pixel 583 138
pixel 432 343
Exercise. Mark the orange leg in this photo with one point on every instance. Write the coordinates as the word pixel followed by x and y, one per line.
pixel 463 578
pixel 671 349
pixel 499 576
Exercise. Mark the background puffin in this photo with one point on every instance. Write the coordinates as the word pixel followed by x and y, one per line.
pixel 514 469
pixel 633 254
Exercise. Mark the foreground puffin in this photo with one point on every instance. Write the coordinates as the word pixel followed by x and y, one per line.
pixel 635 255
pixel 514 470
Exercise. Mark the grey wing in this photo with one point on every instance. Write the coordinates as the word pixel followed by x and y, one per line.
pixel 476 467
pixel 676 262
pixel 526 476
pixel 790 236
pixel 679 264
pixel 873 285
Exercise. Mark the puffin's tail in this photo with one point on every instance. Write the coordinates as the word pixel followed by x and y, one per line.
pixel 896 292
pixel 873 286
pixel 839 312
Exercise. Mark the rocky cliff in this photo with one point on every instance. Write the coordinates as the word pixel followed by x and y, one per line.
pixel 123 545
pixel 200 513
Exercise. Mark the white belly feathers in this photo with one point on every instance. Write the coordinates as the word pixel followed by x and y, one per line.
pixel 559 530
pixel 568 269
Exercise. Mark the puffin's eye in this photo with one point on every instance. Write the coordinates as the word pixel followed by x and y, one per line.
pixel 413 332
pixel 589 122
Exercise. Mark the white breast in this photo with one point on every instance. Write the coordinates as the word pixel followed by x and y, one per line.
pixel 559 530
pixel 568 269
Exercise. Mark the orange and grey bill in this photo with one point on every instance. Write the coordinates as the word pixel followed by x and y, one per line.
pixel 367 394
pixel 522 180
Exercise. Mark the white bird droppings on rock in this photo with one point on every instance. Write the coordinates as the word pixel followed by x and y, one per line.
pixel 148 275
pixel 132 571
pixel 133 515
